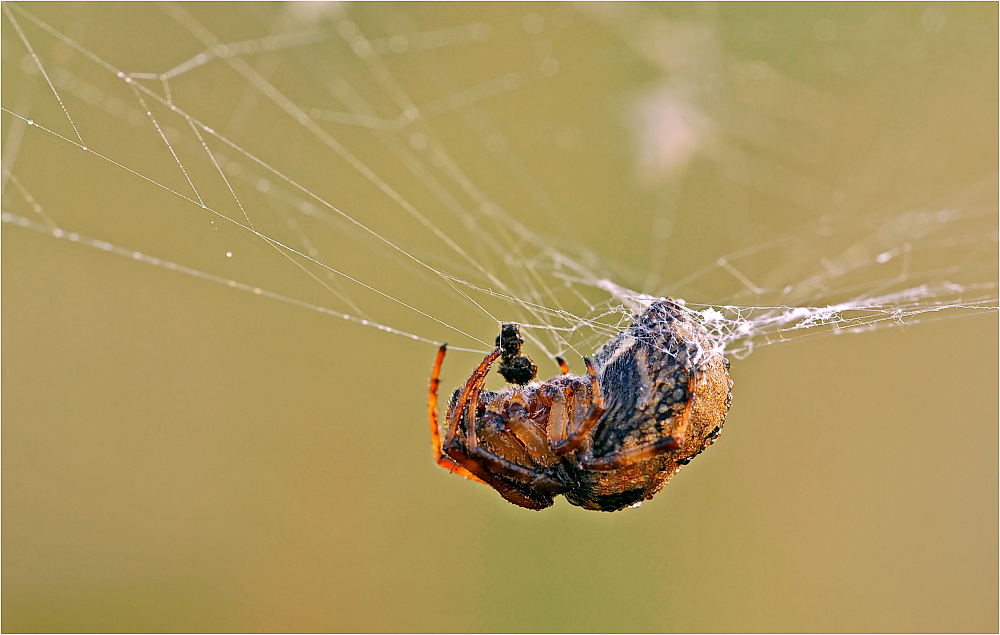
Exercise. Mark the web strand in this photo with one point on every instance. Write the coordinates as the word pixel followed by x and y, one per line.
pixel 879 270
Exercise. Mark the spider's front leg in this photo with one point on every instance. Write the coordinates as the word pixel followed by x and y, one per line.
pixel 479 456
pixel 442 459
pixel 576 436
pixel 455 454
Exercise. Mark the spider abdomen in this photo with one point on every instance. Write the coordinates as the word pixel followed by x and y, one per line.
pixel 655 397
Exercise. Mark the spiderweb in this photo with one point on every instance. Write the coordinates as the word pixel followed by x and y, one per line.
pixel 382 167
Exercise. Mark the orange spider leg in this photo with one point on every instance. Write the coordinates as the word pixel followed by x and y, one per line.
pixel 442 459
pixel 463 458
pixel 681 432
pixel 573 440
pixel 562 365
pixel 455 413
pixel 632 455
pixel 479 454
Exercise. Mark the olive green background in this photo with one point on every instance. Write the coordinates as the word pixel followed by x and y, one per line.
pixel 180 456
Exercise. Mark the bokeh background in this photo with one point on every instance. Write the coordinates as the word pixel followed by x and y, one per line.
pixel 183 456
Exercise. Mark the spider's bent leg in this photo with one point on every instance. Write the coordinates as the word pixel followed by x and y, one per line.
pixel 488 459
pixel 680 433
pixel 577 436
pixel 630 456
pixel 452 449
pixel 633 455
pixel 443 460
pixel 455 416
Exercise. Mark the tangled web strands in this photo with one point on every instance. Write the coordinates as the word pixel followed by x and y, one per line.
pixel 460 259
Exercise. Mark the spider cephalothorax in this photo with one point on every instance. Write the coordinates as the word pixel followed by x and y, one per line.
pixel 653 398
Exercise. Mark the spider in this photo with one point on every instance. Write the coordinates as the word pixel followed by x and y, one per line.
pixel 653 398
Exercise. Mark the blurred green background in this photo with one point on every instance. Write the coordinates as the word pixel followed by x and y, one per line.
pixel 180 456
